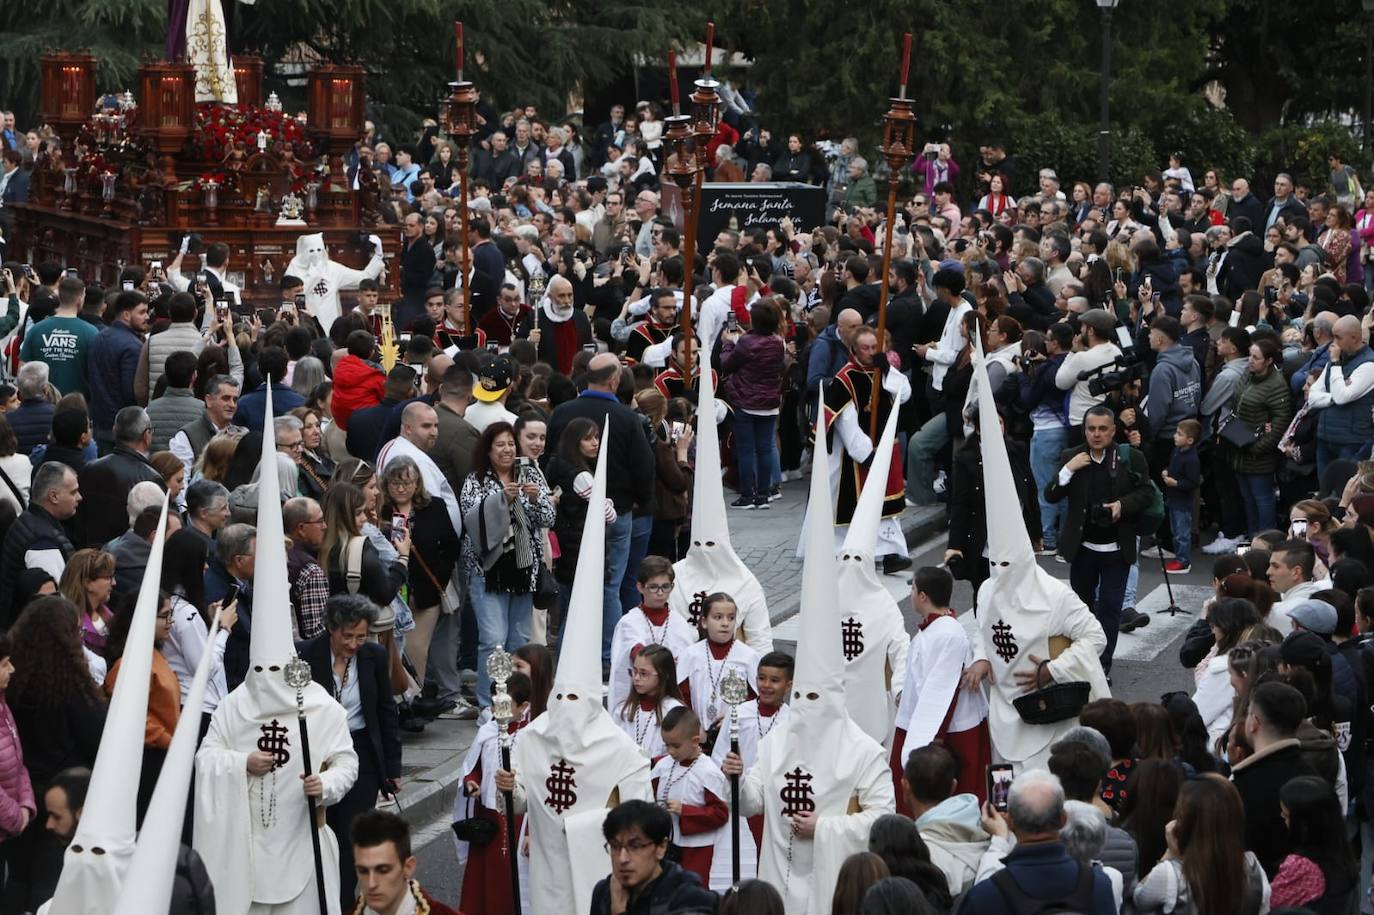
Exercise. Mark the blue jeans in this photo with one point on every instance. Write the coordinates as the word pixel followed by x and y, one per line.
pixel 503 620
pixel 618 538
pixel 1045 447
pixel 640 530
pixel 1257 495
pixel 756 453
pixel 920 459
pixel 1181 526
pixel 1329 451
pixel 1099 580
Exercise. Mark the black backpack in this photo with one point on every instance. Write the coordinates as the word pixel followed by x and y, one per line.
pixel 1079 902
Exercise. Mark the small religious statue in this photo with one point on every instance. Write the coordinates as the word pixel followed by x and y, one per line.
pixel 261 202
pixel 269 271
pixel 291 209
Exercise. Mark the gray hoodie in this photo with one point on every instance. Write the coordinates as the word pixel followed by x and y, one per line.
pixel 953 830
pixel 1175 391
pixel 1216 406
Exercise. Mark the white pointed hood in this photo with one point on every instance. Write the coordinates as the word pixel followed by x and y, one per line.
pixel 869 618
pixel 579 657
pixel 311 255
pixel 148 886
pixel 270 645
pixel 95 864
pixel 711 563
pixel 708 489
pixel 1011 558
pixel 820 662
pixel 862 537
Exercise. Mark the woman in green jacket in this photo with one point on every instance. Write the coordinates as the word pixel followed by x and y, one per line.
pixel 1262 404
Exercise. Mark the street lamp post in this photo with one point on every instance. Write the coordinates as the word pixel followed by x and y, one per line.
pixel 1104 133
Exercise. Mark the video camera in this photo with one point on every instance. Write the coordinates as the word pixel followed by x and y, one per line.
pixel 1118 373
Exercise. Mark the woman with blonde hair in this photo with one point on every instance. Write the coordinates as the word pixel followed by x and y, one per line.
pixel 213 463
pixel 87 582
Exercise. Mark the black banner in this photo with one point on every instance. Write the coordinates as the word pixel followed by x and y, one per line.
pixel 744 207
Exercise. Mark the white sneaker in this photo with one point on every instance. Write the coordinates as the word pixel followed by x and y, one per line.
pixel 1157 552
pixel 1221 546
pixel 941 481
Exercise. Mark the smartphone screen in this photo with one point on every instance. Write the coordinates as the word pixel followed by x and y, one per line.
pixel 399 523
pixel 589 347
pixel 71 271
pixel 230 596
pixel 999 786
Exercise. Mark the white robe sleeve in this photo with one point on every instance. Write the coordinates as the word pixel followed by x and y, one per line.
pixel 347 278
pixel 897 647
pixel 751 790
pixel 838 837
pixel 944 662
pixel 856 443
pixel 339 770
pixel 1081 660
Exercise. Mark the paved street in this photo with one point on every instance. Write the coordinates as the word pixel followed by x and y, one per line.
pixel 1146 663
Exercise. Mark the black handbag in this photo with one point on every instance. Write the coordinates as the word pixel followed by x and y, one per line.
pixel 546 589
pixel 475 830
pixel 1236 433
pixel 1053 703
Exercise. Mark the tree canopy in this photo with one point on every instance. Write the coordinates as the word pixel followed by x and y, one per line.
pixel 1023 72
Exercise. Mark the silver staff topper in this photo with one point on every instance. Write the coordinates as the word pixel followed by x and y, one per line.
pixel 499 668
pixel 297 673
pixel 734 690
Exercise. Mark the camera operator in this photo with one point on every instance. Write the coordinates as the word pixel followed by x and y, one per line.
pixel 1093 349
pixel 1106 486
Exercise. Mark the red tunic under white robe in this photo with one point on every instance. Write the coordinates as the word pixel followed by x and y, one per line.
pixel 705 816
pixel 486 876
pixel 703 667
pixel 935 706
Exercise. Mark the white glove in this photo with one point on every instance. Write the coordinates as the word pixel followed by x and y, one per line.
pixel 376 244
pixel 610 512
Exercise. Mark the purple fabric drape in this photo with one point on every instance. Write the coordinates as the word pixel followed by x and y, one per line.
pixel 176 28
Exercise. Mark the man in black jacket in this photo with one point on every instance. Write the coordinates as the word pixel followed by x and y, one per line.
pixel 417 267
pixel 1107 487
pixel 1271 727
pixel 642 881
pixel 629 472
pixel 366 427
pixel 36 539
pixel 105 483
pixel 354 671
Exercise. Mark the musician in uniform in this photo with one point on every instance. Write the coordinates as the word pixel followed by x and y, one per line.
pixel 849 422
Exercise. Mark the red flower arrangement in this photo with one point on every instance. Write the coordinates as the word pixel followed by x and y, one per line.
pixel 219 128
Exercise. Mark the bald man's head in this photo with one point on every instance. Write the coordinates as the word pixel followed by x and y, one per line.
pixel 420 425
pixel 603 372
pixel 1347 334
pixel 846 323
pixel 434 372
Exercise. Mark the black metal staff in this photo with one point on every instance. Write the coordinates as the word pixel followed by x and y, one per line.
pixel 297 673
pixel 734 690
pixel 499 668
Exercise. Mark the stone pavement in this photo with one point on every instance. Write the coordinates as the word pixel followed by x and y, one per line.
pixel 766 541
